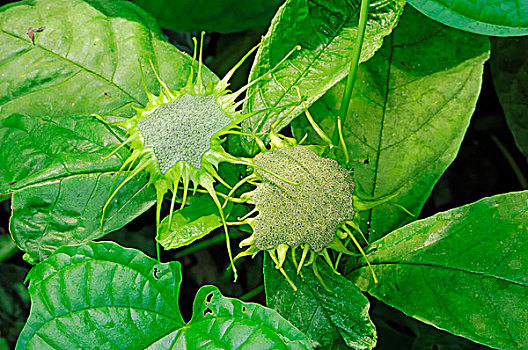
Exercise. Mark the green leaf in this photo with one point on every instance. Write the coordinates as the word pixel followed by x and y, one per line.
pixel 7 247
pixel 509 67
pixel 87 59
pixel 463 270
pixel 87 64
pixel 495 17
pixel 192 222
pixel 326 31
pixel 68 211
pixel 398 331
pixel 408 114
pixel 224 16
pixel 100 295
pixel 335 319
pixel 39 149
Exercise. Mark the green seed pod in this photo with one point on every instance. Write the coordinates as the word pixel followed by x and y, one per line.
pixel 307 213
pixel 303 201
pixel 177 137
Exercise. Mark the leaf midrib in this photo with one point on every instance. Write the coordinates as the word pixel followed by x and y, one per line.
pixel 99 76
pixel 451 268
pixel 382 123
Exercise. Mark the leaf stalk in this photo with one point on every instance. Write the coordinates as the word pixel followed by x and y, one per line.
pixel 356 54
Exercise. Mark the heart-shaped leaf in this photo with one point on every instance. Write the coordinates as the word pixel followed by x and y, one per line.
pixel 100 295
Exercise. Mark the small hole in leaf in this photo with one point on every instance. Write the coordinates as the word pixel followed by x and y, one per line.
pixel 208 311
pixel 244 309
pixel 155 273
pixel 209 297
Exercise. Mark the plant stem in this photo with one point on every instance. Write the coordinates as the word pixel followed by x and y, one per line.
pixel 509 158
pixel 356 54
pixel 256 291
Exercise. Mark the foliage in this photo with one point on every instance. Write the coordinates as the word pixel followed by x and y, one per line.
pixel 510 72
pixel 455 262
pixel 417 84
pixel 128 300
pixel 326 31
pixel 497 18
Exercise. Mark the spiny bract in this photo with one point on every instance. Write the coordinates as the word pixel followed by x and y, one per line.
pixel 182 130
pixel 177 137
pixel 303 201
pixel 307 213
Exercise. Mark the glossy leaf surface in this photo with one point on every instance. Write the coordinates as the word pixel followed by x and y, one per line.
pixel 102 295
pixel 463 270
pixel 224 16
pixel 68 211
pixel 326 31
pixel 487 17
pixel 509 66
pixel 408 114
pixel 190 223
pixel 87 59
pixel 335 319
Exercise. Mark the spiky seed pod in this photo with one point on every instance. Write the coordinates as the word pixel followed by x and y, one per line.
pixel 307 213
pixel 177 137
pixel 303 201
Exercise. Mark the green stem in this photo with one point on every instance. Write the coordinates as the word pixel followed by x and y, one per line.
pixel 513 164
pixel 249 295
pixel 362 25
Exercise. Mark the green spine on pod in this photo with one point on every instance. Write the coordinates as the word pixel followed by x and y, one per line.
pixel 177 137
pixel 302 200
pixel 309 213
